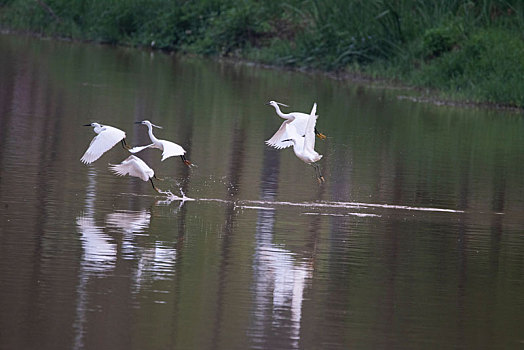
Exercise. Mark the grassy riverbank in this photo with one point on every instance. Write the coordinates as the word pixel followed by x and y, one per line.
pixel 466 50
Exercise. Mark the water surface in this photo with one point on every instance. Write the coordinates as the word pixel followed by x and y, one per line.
pixel 414 241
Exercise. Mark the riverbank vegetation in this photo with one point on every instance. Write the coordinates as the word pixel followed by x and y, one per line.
pixel 469 50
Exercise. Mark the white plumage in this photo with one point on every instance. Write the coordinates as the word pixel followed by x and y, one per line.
pixel 107 137
pixel 304 146
pixel 296 119
pixel 168 148
pixel 133 166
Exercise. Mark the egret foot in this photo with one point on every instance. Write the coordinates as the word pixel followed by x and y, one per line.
pixel 320 135
pixel 154 187
pixel 318 172
pixel 186 162
pixel 125 145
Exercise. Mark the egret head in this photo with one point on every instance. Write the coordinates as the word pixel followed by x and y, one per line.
pixel 95 125
pixel 276 104
pixel 148 123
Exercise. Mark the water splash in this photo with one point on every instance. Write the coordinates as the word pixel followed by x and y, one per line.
pixel 173 197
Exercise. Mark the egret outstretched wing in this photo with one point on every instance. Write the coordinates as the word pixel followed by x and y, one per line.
pixel 103 142
pixel 299 121
pixel 309 141
pixel 171 149
pixel 277 140
pixel 133 166
pixel 140 148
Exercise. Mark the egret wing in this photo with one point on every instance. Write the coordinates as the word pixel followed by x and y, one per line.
pixel 132 166
pixel 300 122
pixel 294 135
pixel 309 141
pixel 140 148
pixel 281 134
pixel 102 143
pixel 171 149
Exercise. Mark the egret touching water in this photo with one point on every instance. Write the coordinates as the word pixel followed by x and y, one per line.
pixel 297 119
pixel 107 137
pixel 169 149
pixel 134 166
pixel 304 146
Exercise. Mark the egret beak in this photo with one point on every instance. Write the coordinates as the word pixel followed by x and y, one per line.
pixel 138 122
pixel 87 125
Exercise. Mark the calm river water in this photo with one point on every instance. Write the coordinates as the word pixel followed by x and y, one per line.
pixel 415 240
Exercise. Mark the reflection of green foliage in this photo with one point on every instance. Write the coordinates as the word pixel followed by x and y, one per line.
pixel 409 39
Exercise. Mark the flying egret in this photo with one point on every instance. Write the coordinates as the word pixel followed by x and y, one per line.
pixel 304 146
pixel 134 166
pixel 107 137
pixel 297 119
pixel 169 149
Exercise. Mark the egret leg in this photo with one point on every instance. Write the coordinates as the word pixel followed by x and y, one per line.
pixel 318 172
pixel 184 159
pixel 124 144
pixel 154 187
pixel 319 134
pixel 320 175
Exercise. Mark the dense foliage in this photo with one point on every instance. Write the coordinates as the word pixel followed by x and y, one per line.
pixel 466 49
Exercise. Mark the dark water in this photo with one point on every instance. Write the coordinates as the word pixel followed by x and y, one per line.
pixel 415 241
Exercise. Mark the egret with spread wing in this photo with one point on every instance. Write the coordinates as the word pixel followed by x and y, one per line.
pixel 134 166
pixel 296 119
pixel 107 137
pixel 169 149
pixel 304 146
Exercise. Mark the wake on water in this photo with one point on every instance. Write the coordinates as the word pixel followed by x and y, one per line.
pixel 322 206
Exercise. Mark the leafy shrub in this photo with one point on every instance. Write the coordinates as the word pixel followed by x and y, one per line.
pixel 437 41
pixel 462 46
pixel 489 66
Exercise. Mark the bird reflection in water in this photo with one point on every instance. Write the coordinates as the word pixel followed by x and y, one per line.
pixel 103 244
pixel 279 279
pixel 99 248
pixel 155 262
pixel 131 224
pixel 99 256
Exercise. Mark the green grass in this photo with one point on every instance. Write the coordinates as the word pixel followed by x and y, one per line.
pixel 464 49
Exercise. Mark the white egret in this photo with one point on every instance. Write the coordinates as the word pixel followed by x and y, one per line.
pixel 297 119
pixel 107 137
pixel 169 149
pixel 304 146
pixel 134 166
